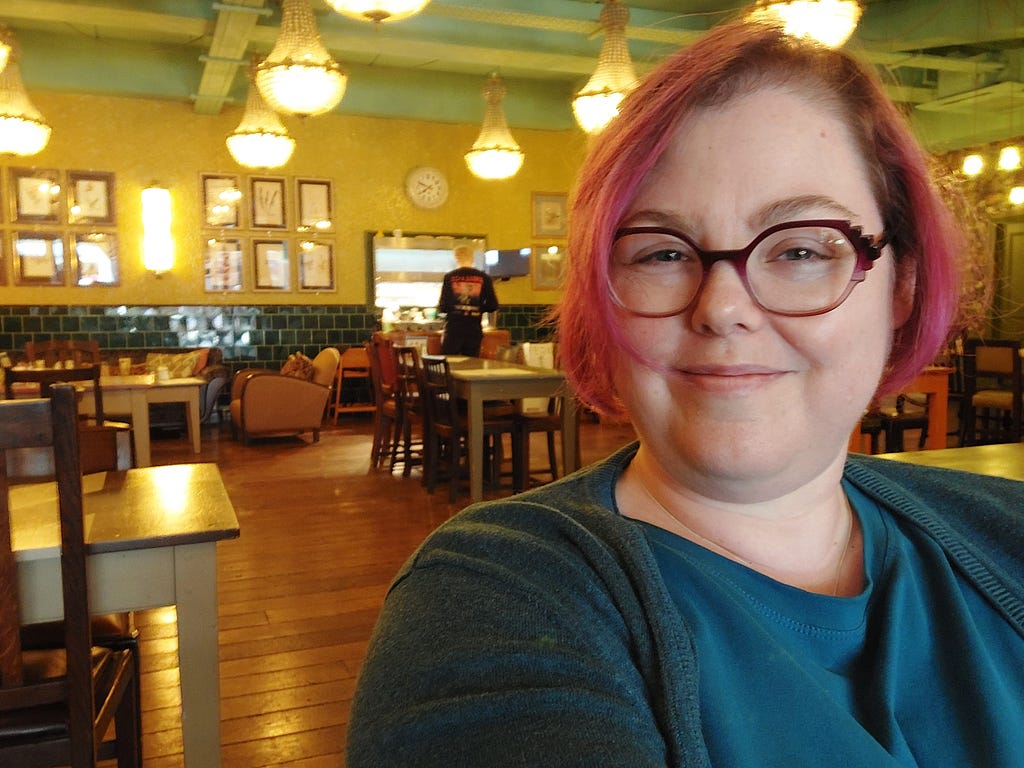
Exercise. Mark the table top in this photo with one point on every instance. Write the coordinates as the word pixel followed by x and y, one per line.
pixel 137 508
pixel 1002 460
pixel 468 368
pixel 145 380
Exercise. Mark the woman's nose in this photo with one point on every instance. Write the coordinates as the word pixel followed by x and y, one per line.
pixel 723 304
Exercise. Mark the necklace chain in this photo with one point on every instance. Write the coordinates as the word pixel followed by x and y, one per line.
pixel 722 549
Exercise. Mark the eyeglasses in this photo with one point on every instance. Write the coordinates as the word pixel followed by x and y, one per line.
pixel 797 269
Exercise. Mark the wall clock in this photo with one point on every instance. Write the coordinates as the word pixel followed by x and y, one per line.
pixel 426 187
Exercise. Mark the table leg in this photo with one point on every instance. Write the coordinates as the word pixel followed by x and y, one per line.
pixel 475 419
pixel 938 414
pixel 192 416
pixel 140 427
pixel 198 664
pixel 570 435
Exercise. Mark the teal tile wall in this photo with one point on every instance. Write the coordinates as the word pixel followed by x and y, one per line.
pixel 249 335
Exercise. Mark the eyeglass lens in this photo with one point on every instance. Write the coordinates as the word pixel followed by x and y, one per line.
pixel 799 269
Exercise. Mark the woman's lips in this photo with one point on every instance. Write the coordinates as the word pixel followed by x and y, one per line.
pixel 730 378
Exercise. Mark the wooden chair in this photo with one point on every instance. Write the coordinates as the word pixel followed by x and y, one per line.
pixel 79 353
pixel 56 706
pixel 353 370
pixel 103 445
pixel 382 380
pixel 408 381
pixel 992 410
pixel 448 432
pixel 538 414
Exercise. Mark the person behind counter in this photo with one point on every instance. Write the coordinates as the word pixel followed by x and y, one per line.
pixel 757 250
pixel 466 294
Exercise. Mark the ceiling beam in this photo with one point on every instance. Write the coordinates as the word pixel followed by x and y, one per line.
pixel 229 47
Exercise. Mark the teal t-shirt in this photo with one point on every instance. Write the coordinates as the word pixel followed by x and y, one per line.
pixel 917 670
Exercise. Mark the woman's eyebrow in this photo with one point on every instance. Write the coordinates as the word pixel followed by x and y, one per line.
pixel 794 207
pixel 654 218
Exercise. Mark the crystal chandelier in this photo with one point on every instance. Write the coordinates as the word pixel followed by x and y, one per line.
pixel 299 76
pixel 597 102
pixel 830 22
pixel 495 154
pixel 378 10
pixel 260 140
pixel 22 128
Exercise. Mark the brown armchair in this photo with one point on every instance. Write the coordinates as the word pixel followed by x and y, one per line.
pixel 266 402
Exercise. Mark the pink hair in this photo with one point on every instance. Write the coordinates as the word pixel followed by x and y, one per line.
pixel 732 60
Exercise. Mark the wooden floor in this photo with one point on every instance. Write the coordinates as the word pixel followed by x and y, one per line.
pixel 321 537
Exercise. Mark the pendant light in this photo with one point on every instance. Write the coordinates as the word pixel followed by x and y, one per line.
pixel 597 102
pixel 495 154
pixel 378 10
pixel 830 22
pixel 6 44
pixel 23 131
pixel 260 140
pixel 299 76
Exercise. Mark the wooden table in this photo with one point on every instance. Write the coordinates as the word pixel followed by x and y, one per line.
pixel 933 382
pixel 133 395
pixel 151 535
pixel 1002 460
pixel 477 380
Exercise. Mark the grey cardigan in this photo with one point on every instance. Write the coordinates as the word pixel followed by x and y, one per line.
pixel 537 631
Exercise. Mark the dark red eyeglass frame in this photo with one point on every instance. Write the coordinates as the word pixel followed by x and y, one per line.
pixel 868 249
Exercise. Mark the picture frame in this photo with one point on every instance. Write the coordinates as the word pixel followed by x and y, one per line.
pixel 36 195
pixel 223 265
pixel 549 214
pixel 96 258
pixel 91 198
pixel 222 196
pixel 38 258
pixel 547 268
pixel 271 265
pixel 3 262
pixel 267 202
pixel 316 265
pixel 314 199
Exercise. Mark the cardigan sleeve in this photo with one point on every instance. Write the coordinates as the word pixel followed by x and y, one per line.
pixel 515 645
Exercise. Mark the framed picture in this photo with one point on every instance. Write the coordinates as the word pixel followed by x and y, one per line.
pixel 222 265
pixel 271 267
pixel 90 198
pixel 3 262
pixel 315 201
pixel 266 198
pixel 549 214
pixel 222 196
pixel 316 265
pixel 96 258
pixel 35 195
pixel 548 268
pixel 39 258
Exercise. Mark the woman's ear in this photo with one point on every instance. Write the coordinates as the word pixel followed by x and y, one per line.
pixel 903 292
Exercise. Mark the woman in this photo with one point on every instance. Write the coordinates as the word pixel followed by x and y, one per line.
pixel 757 252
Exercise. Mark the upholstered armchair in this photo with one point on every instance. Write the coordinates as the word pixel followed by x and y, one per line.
pixel 266 402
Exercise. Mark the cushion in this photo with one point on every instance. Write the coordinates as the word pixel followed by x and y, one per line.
pixel 299 366
pixel 179 366
pixel 204 356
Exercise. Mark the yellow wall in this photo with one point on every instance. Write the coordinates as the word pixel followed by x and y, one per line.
pixel 142 141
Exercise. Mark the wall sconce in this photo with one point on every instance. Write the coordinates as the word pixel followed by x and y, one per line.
pixel 157 242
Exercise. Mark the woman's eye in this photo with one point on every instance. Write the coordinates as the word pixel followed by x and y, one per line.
pixel 663 255
pixel 801 253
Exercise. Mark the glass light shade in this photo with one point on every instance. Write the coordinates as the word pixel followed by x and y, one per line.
pixel 1009 158
pixel 378 10
pixel 6 45
pixel 260 140
pixel 830 22
pixel 1017 195
pixel 299 76
pixel 495 154
pixel 973 165
pixel 157 241
pixel 597 102
pixel 22 128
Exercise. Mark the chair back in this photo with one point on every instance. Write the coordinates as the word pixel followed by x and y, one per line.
pixel 993 378
pixel 47 377
pixel 492 341
pixel 379 351
pixel 79 353
pixel 325 366
pixel 48 423
pixel 441 404
pixel 409 373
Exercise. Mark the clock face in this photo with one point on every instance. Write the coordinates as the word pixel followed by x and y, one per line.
pixel 426 187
